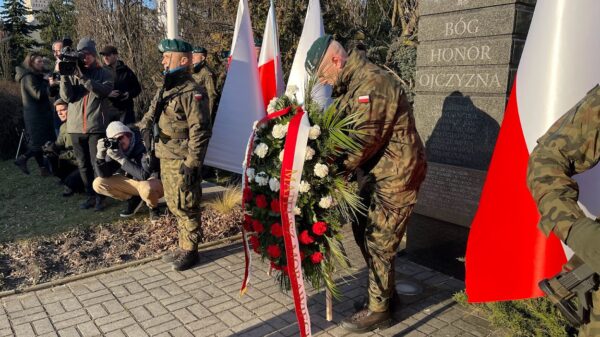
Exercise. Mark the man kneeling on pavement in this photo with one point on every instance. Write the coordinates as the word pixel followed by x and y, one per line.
pixel 124 174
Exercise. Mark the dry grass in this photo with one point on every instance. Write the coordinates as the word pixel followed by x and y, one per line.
pixel 227 201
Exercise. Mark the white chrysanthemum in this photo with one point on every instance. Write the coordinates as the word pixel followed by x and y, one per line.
pixel 310 153
pixel 303 187
pixel 281 156
pixel 321 170
pixel 326 202
pixel 279 131
pixel 262 179
pixel 274 184
pixel 291 91
pixel 271 107
pixel 314 132
pixel 261 150
pixel 250 173
pixel 297 211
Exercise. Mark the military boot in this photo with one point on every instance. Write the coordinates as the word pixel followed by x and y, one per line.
pixel 21 163
pixel 394 302
pixel 366 320
pixel 186 260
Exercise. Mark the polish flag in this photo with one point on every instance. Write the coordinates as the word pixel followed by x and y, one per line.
pixel 312 30
pixel 241 102
pixel 507 255
pixel 270 72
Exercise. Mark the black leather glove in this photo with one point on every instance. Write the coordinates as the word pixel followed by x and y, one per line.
pixel 189 176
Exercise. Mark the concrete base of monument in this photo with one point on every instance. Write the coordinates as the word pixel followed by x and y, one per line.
pixel 437 244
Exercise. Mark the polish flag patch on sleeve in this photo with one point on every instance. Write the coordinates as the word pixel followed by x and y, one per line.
pixel 198 97
pixel 363 99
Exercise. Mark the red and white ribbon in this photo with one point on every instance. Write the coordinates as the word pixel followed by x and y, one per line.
pixel 246 164
pixel 291 173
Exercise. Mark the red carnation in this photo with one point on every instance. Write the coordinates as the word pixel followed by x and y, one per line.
pixel 275 205
pixel 276 230
pixel 316 258
pixel 247 194
pixel 257 226
pixel 274 251
pixel 319 228
pixel 261 201
pixel 302 255
pixel 305 238
pixel 255 244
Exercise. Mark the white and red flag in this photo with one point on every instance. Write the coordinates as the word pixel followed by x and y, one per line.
pixel 270 72
pixel 312 30
pixel 241 101
pixel 507 255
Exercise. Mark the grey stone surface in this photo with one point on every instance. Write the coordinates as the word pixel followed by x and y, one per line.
pixel 443 6
pixel 478 51
pixel 459 129
pixel 472 79
pixel 491 21
pixel 262 311
pixel 450 193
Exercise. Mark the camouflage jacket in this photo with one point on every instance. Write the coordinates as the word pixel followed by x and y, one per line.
pixel 206 78
pixel 184 122
pixel 384 114
pixel 571 146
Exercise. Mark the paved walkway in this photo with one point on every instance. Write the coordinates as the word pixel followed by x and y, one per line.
pixel 153 300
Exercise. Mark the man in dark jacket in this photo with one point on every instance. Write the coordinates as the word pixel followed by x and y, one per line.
pixel 60 155
pixel 86 92
pixel 123 173
pixel 127 87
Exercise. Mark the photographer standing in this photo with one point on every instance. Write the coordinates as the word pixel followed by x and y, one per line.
pixel 126 88
pixel 86 90
pixel 123 173
pixel 37 111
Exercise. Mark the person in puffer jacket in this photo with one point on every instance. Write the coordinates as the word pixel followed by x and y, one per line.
pixel 90 112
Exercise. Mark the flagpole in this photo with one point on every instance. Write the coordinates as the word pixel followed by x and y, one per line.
pixel 172 29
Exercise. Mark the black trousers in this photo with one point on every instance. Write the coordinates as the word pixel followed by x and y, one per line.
pixel 66 171
pixel 84 146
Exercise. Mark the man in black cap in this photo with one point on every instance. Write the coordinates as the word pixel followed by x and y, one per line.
pixel 127 87
pixel 184 130
pixel 205 77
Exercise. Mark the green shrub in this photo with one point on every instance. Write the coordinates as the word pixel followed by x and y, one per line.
pixel 11 115
pixel 525 318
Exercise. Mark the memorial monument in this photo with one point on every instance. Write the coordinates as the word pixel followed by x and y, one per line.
pixel 466 61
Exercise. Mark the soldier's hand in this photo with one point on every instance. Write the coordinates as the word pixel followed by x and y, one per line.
pixel 100 149
pixel 189 176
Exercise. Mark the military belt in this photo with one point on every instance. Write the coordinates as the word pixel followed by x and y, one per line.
pixel 164 138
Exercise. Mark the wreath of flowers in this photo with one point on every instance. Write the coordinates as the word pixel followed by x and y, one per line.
pixel 326 200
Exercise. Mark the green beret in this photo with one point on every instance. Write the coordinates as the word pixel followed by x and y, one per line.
pixel 200 50
pixel 315 54
pixel 174 45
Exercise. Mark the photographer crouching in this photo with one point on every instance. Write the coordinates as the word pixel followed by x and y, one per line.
pixel 124 172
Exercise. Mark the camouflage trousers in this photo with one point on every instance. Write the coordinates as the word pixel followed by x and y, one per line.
pixel 592 329
pixel 185 205
pixel 389 196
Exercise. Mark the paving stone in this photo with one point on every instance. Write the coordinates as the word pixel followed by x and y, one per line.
pixel 69 332
pixel 42 326
pixel 71 304
pixel 141 314
pixel 24 330
pixel 6 332
pixel 97 311
pixel 113 306
pixel 157 321
pixel 29 318
pixel 30 301
pixel 88 329
pixel 135 331
pixel 180 332
pixel 117 325
pixel 156 309
pixel 184 316
pixel 72 321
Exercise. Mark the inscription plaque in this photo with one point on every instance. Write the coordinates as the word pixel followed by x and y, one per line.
pixel 481 51
pixel 444 6
pixel 489 79
pixel 492 21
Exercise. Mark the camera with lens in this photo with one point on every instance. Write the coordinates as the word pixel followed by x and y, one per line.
pixel 69 59
pixel 111 144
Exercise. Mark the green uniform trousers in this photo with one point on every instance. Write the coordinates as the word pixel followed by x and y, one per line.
pixel 185 205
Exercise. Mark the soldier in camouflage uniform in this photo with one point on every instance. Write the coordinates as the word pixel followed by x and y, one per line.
pixel 205 77
pixel 184 134
pixel 389 169
pixel 570 146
